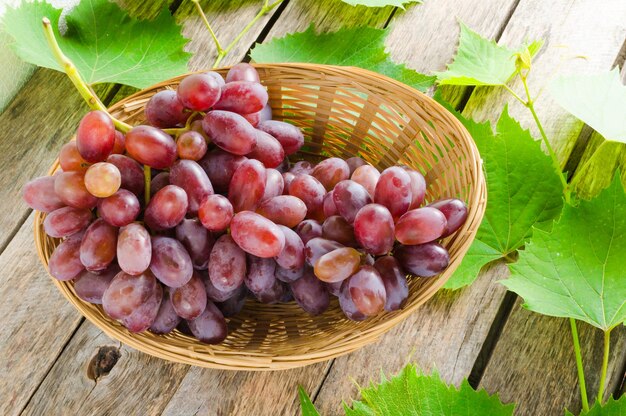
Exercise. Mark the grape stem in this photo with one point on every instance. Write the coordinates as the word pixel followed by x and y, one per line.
pixel 147 176
pixel 70 69
pixel 579 365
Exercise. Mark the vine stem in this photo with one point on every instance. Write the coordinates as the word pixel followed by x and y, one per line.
pixel 579 365
pixel 70 69
pixel 208 26
pixel 605 364
pixel 147 177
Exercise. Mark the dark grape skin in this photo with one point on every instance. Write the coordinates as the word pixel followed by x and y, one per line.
pixel 421 225
pixel 134 249
pixel 355 162
pixel 274 184
pixel 292 255
pixel 267 150
pixel 151 146
pixel 286 210
pixel 227 264
pixel 455 212
pixel 132 173
pixel 394 279
pixel 164 110
pixel 334 288
pixel 144 315
pixel 197 240
pixel 199 92
pixel 216 212
pixel 166 209
pixel 338 229
pixel 328 205
pixel 158 182
pixel 393 190
pixel 261 274
pixel 424 260
pixel 166 319
pixel 220 167
pixel 374 229
pixel 64 263
pixel 119 209
pixel 257 235
pixel 347 305
pixel 349 197
pixel 367 290
pixel 331 171
pixel 275 294
pixel 242 97
pixel 310 293
pixel 210 327
pixel 70 159
pixel 309 229
pixel 90 287
pixel 39 194
pixel 99 245
pixel 190 176
pixel 230 131
pixel 289 136
pixel 234 304
pixel 190 299
pixel 214 294
pixel 95 136
pixel 242 72
pixel 247 185
pixel 317 247
pixel 120 143
pixel 66 221
pixel 70 188
pixel 125 293
pixel 170 262
pixel 311 192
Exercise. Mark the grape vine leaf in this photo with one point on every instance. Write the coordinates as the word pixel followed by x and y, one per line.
pixel 380 3
pixel 599 100
pixel 413 393
pixel 612 407
pixel 576 270
pixel 481 61
pixel 105 44
pixel 362 46
pixel 308 409
pixel 522 191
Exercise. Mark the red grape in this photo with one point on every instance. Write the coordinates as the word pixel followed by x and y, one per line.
pixel 218 78
pixel 354 163
pixel 274 184
pixel 423 260
pixel 188 175
pixel 64 263
pixel 166 208
pixel 220 167
pixel 420 226
pixel 90 287
pixel 394 279
pixel 144 315
pixel 374 229
pixel 311 192
pixel 317 247
pixel 119 209
pixel 189 300
pixel 210 327
pixel 199 92
pixel 367 290
pixel 283 209
pixel 455 212
pixel 268 150
pixel 337 228
pixel 418 188
pixel 131 173
pixel 347 305
pixel 257 235
pixel 331 171
pixel 289 136
pixel 70 158
pixel 260 277
pixel 99 245
pixel 247 185
pixel 328 205
pixel 158 182
pixel 242 72
pixel 215 213
pixel 292 255
pixel 214 294
pixel 166 319
pixel 310 293
pixel 309 229
pixel 39 194
pixel 366 176
pixel 151 146
pixel 191 145
pixel 125 293
pixel 288 275
pixel 170 262
pixel 66 221
pixel 70 188
pixel 197 240
pixel 242 97
pixel 120 143
pixel 337 265
pixel 164 110
pixel 134 249
pixel 349 197
pixel 95 136
pixel 227 264
pixel 393 190
pixel 230 131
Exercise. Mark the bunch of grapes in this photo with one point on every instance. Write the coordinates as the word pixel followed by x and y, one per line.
pixel 226 218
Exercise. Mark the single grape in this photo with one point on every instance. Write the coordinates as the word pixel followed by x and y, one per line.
pixel 338 229
pixel 234 304
pixel 309 229
pixel 70 188
pixel 120 143
pixel 220 167
pixel 166 319
pixel 151 146
pixel 337 265
pixel 70 158
pixel 189 300
pixel 420 226
pixel 328 205
pixel 256 234
pixel 418 188
pixel 227 264
pixel 354 163
pixel 331 171
pixel 242 97
pixel 126 293
pixel 367 290
pixel 393 190
pixel 230 131
pixel 289 136
pixel 247 185
pixel 267 150
pixel 274 184
pixel 39 194
pixel 210 327
pixel 302 166
pixel 347 305
pixel 366 176
pixel 311 192
pixel 95 136
pixel 310 293
pixel 90 287
pixel 394 279
pixel 66 221
pixel 166 209
pixel 292 255
pixel 164 110
pixel 191 145
pixel 134 249
pixel 455 212
pixel 119 209
pixel 288 177
pixel 317 247
pixel 197 241
pixel 288 275
pixel 283 209
pixel 260 276
pixel 188 175
pixel 103 179
pixel 374 229
pixel 214 294
pixel 131 173
pixel 349 197
pixel 64 263
pixel 215 213
pixel 170 262
pixel 142 318
pixel 423 260
pixel 99 245
pixel 242 72
pixel 199 92
pixel 158 182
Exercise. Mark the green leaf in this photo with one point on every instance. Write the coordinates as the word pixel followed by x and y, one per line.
pixel 380 3
pixel 305 402
pixel 598 100
pixel 414 393
pixel 363 47
pixel 522 191
pixel 105 44
pixel 577 269
pixel 481 61
pixel 611 408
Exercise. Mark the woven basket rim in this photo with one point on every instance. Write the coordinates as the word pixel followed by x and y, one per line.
pixel 265 362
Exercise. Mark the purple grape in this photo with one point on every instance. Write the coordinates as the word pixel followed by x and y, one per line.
pixel 227 264
pixel 197 241
pixel 310 293
pixel 292 255
pixel 39 194
pixel 166 319
pixel 188 175
pixel 64 263
pixel 210 327
pixel 309 229
pixel 374 229
pixel 170 262
pixel 66 221
pixel 394 279
pixel 190 299
pixel 90 287
pixel 99 245
pixel 164 110
pixel 423 260
pixel 455 212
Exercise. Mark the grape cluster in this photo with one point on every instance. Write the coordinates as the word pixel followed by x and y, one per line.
pixel 228 218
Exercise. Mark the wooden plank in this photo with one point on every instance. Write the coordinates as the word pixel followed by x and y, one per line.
pixel 570 28
pixel 533 364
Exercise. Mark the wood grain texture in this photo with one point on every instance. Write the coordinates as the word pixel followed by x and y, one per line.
pixel 570 28
pixel 36 322
pixel 533 364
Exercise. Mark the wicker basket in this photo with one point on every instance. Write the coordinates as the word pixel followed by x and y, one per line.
pixel 344 112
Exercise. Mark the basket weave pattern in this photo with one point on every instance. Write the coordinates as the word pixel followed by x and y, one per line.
pixel 343 112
